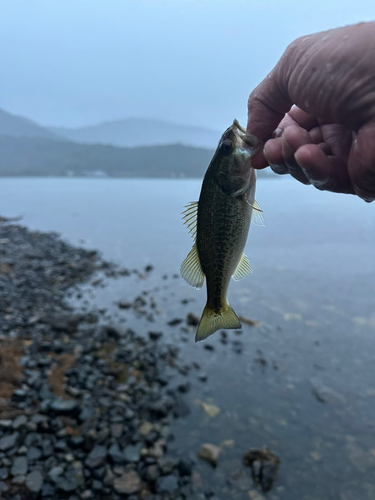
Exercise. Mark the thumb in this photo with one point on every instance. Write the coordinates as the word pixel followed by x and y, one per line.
pixel 267 104
pixel 361 164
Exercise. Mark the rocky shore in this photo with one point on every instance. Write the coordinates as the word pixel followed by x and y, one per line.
pixel 84 406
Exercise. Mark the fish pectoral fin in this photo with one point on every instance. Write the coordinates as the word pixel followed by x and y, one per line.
pixel 212 321
pixel 191 269
pixel 257 217
pixel 243 269
pixel 189 216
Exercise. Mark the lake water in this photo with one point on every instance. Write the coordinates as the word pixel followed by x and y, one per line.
pixel 312 291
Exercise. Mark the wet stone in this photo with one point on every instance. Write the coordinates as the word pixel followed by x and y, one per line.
pixel 47 490
pixel 96 456
pixel 4 473
pixel 34 453
pixel 116 454
pixel 8 442
pixel 6 424
pixel 20 466
pixel 209 453
pixel 64 406
pixel 34 481
pixel 128 484
pixel 133 453
pixel 152 473
pixel 55 473
pixel 20 421
pixel 167 484
pixel 3 487
pixel 19 479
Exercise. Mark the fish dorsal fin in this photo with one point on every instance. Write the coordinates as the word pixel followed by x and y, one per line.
pixel 243 269
pixel 257 215
pixel 191 269
pixel 190 217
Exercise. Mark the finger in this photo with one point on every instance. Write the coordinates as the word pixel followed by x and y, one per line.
pixel 302 118
pixel 327 173
pixel 258 161
pixel 325 148
pixel 293 138
pixel 267 105
pixel 274 154
pixel 362 163
pixel 316 135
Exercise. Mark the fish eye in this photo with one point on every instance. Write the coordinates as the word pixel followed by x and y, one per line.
pixel 227 147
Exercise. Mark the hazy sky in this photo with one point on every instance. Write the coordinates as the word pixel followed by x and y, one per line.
pixel 79 62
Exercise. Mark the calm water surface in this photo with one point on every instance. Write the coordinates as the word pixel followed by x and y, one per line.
pixel 312 292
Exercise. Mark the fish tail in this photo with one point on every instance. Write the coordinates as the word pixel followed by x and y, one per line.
pixel 211 321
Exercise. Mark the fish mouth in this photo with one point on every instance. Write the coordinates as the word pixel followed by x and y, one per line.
pixel 247 140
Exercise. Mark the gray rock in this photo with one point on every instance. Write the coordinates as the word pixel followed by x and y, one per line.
pixel 20 466
pixel 55 473
pixel 96 456
pixel 34 481
pixel 166 485
pixel 66 484
pixel 19 395
pixel 19 479
pixel 8 442
pixel 47 448
pixel 152 473
pixel 64 406
pixel 117 456
pixel 3 487
pixel 20 421
pixel 47 490
pixel 87 495
pixel 209 453
pixel 6 424
pixel 127 484
pixel 4 473
pixel 34 453
pixel 116 430
pixel 133 453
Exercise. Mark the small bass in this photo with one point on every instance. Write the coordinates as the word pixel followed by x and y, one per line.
pixel 219 223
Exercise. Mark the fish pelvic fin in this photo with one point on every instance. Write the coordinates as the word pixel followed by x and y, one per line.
pixel 191 269
pixel 212 321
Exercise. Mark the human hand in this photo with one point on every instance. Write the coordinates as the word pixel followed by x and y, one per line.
pixel 325 83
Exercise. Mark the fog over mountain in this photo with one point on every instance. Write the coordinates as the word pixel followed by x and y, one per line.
pixel 140 132
pixel 18 126
pixel 159 149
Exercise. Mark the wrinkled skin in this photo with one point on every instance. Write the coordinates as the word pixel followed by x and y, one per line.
pixel 325 83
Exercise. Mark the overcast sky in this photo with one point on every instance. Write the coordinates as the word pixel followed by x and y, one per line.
pixel 79 62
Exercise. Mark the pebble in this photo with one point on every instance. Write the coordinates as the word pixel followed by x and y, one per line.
pixel 128 483
pixel 209 453
pixel 8 442
pixel 167 484
pixel 96 457
pixel 20 466
pixel 64 406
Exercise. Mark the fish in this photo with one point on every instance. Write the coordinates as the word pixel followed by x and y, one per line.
pixel 219 223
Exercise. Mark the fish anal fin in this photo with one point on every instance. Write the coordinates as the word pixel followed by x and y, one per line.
pixel 191 269
pixel 212 321
pixel 189 216
pixel 243 269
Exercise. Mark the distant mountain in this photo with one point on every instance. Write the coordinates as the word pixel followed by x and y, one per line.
pixel 18 126
pixel 140 132
pixel 29 156
pixel 36 156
